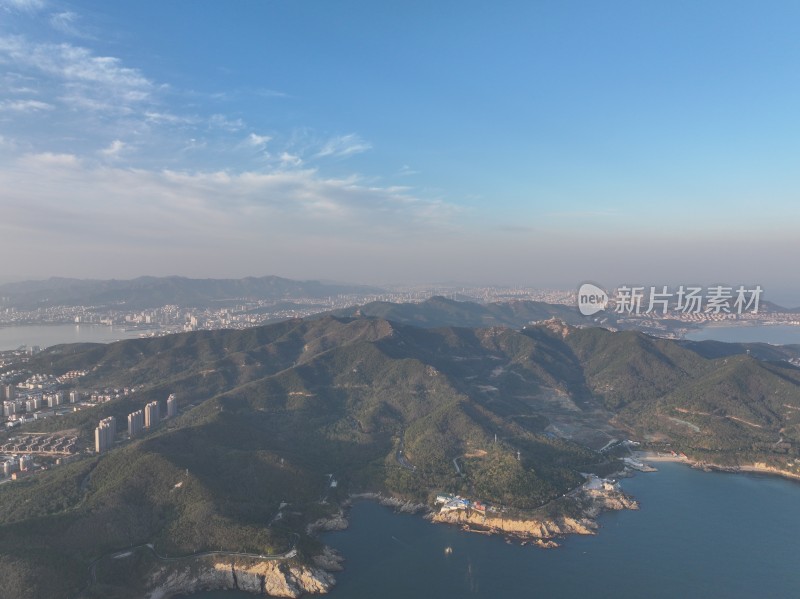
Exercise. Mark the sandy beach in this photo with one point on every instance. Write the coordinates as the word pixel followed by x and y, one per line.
pixel 652 456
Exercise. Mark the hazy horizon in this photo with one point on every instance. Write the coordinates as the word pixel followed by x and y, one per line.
pixel 786 296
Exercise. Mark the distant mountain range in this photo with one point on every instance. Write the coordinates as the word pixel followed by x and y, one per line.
pixel 440 312
pixel 152 292
pixel 444 312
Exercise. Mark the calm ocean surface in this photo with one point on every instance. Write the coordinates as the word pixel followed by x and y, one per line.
pixel 47 335
pixel 697 534
pixel 778 334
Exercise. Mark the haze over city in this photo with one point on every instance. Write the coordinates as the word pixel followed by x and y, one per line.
pixel 528 143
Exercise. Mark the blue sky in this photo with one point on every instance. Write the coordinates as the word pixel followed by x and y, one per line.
pixel 515 142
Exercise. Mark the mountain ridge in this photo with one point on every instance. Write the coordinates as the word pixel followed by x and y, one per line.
pixel 150 292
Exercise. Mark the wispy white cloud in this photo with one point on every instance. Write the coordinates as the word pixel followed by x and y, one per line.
pixel 236 94
pixel 48 188
pixel 100 180
pixel 291 160
pixel 220 121
pixel 67 22
pixel 193 145
pixel 163 117
pixel 74 63
pixel 98 99
pixel 23 5
pixel 101 83
pixel 25 106
pixel 343 146
pixel 15 83
pixel 77 99
pixel 37 163
pixel 114 149
pixel 407 171
pixel 7 143
pixel 257 141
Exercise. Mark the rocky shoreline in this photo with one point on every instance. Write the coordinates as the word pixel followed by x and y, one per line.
pixel 399 505
pixel 542 531
pixel 273 578
pixel 267 578
pixel 283 578
pixel 339 521
pixel 752 468
pixel 290 578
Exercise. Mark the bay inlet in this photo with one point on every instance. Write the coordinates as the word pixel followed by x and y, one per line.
pixel 775 334
pixel 12 337
pixel 697 534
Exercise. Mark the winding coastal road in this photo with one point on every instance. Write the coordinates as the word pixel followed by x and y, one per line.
pixel 401 458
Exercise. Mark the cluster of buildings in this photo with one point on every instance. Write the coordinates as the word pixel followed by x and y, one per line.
pixel 16 408
pixel 52 444
pixel 598 484
pixel 146 418
pixel 451 503
pixel 249 312
pixel 30 406
pixel 13 465
pixel 38 382
pixel 70 376
pixel 9 377
pixel 25 397
pixel 109 394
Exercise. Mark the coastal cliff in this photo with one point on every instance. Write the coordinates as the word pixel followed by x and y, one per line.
pixel 542 530
pixel 755 467
pixel 267 578
pixel 529 528
pixel 788 470
pixel 596 501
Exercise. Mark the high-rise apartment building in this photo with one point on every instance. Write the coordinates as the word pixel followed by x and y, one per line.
pixel 135 423
pixel 172 406
pixel 151 414
pixel 104 434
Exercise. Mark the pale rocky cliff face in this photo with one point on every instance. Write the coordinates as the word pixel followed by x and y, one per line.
pixel 542 530
pixel 266 578
pixel 329 560
pixel 533 528
pixel 599 501
pixel 334 522
pixel 558 326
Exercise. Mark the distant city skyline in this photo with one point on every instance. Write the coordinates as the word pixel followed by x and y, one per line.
pixel 531 143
